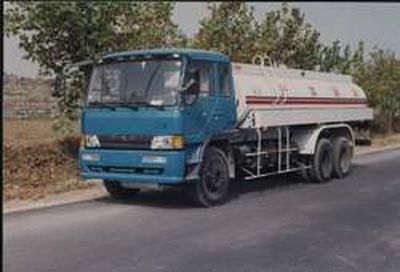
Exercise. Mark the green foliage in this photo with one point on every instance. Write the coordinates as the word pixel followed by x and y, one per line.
pixel 283 35
pixel 380 79
pixel 230 29
pixel 287 39
pixel 334 59
pixel 331 59
pixel 378 75
pixel 56 34
pixel 64 126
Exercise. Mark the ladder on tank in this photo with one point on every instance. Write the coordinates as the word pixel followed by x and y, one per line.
pixel 283 150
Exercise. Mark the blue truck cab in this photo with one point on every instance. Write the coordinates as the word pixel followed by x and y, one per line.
pixel 149 115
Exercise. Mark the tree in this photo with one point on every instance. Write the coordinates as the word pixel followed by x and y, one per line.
pixel 231 29
pixel 380 78
pixel 56 34
pixel 334 59
pixel 287 39
pixel 357 61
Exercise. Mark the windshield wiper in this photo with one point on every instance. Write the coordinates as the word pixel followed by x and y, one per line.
pixel 100 104
pixel 126 105
pixel 142 103
pixel 114 105
pixel 130 105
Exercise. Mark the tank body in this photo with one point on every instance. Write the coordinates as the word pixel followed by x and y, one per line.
pixel 268 96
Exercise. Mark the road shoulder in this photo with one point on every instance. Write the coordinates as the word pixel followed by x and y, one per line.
pixel 74 196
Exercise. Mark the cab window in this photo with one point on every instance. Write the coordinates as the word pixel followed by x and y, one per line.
pixel 205 79
pixel 199 74
pixel 224 80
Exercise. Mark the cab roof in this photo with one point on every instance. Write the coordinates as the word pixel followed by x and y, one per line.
pixel 191 53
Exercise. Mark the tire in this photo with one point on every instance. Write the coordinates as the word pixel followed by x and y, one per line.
pixel 322 162
pixel 342 155
pixel 117 191
pixel 213 185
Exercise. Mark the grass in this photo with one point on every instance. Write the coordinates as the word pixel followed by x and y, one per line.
pixel 17 131
pixel 36 162
pixel 381 140
pixel 28 131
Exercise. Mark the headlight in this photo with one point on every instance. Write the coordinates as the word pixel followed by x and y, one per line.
pixel 167 142
pixel 92 141
pixel 90 157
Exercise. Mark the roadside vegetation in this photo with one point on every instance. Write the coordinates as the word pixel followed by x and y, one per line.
pixel 37 162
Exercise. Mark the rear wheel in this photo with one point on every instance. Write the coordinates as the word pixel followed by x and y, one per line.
pixel 322 162
pixel 117 191
pixel 342 155
pixel 212 186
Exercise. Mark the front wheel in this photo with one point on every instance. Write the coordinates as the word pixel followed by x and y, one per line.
pixel 212 186
pixel 117 191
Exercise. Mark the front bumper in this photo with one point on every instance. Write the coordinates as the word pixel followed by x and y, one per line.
pixel 136 166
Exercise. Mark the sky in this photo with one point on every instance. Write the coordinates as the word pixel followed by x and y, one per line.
pixel 375 23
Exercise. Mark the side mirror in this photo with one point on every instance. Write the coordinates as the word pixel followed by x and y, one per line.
pixel 189 92
pixel 188 85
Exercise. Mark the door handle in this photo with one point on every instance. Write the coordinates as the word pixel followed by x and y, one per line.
pixel 217 116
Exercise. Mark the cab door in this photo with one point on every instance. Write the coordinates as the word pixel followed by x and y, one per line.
pixel 224 114
pixel 200 100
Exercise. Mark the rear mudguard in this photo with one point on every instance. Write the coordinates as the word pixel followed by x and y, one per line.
pixel 307 139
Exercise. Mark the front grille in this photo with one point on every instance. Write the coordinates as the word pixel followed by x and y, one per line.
pixel 124 141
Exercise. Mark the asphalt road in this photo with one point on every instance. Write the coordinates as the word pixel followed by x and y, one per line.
pixel 351 224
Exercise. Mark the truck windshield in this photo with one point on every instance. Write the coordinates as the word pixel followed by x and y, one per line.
pixel 144 82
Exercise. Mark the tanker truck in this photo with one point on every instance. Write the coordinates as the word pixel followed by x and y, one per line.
pixel 195 120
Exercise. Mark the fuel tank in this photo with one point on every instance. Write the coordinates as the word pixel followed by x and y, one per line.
pixel 271 96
